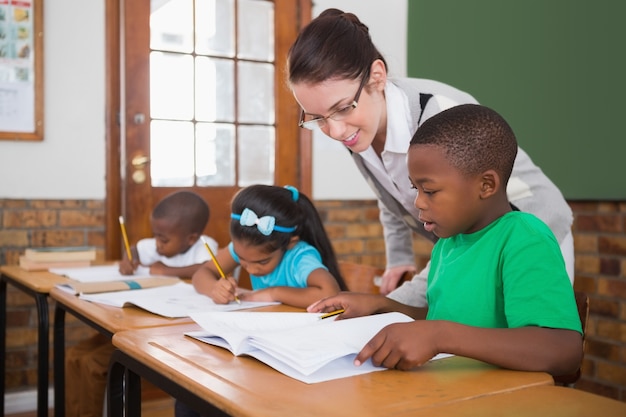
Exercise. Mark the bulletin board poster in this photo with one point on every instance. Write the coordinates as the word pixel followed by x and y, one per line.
pixel 20 83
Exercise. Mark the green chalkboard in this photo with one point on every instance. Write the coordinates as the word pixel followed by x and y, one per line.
pixel 555 69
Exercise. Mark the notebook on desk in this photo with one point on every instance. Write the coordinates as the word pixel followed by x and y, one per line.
pixel 100 273
pixel 299 345
pixel 173 301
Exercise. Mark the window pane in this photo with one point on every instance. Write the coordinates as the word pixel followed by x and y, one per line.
pixel 171 86
pixel 171 25
pixel 256 92
pixel 212 92
pixel 256 30
pixel 215 154
pixel 171 154
pixel 256 155
pixel 215 27
pixel 215 90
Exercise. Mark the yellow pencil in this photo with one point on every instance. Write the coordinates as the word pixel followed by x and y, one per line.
pixel 332 314
pixel 125 236
pixel 217 264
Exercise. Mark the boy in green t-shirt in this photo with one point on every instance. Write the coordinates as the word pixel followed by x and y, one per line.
pixel 498 290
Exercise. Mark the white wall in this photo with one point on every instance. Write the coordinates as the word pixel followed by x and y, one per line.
pixel 70 163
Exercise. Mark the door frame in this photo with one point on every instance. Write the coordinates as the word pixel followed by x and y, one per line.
pixel 288 165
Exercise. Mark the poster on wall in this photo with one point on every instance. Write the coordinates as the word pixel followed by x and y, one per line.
pixel 21 100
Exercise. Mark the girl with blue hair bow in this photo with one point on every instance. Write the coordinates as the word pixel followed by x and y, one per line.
pixel 279 239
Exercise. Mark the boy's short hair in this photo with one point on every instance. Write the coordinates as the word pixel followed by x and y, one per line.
pixel 186 208
pixel 474 138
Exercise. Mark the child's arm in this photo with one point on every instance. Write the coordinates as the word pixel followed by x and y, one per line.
pixel 362 304
pixel 408 345
pixel 320 283
pixel 207 280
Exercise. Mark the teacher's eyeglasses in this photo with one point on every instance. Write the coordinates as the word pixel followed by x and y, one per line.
pixel 311 122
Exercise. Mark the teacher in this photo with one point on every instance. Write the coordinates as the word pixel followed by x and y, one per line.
pixel 339 78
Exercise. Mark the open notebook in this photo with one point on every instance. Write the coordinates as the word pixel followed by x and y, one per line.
pixel 100 273
pixel 178 300
pixel 299 345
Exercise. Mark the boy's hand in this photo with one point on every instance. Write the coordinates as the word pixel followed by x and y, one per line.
pixel 354 304
pixel 402 346
pixel 127 267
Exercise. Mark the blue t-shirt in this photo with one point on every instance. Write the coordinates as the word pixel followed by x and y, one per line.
pixel 292 271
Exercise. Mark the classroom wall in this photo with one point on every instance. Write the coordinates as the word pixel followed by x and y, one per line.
pixel 73 111
pixel 584 72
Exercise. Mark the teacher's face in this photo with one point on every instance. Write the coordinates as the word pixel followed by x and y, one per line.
pixel 358 129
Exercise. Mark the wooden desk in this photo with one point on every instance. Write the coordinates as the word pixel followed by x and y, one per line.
pixel 38 285
pixel 212 380
pixel 106 319
pixel 533 402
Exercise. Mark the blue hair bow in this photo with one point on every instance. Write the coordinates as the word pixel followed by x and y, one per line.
pixel 266 224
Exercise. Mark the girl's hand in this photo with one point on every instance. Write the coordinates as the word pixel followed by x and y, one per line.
pixel 223 291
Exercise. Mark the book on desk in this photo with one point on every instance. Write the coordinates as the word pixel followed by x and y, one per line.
pixel 29 265
pixel 41 259
pixel 61 254
pixel 107 278
pixel 299 345
pixel 128 284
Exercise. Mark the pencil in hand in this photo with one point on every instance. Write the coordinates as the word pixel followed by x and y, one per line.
pixel 125 236
pixel 217 264
pixel 332 314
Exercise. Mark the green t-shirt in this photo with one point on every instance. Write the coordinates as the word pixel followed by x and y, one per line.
pixel 509 274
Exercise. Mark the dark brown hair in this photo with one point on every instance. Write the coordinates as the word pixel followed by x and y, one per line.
pixel 474 138
pixel 186 209
pixel 334 45
pixel 289 208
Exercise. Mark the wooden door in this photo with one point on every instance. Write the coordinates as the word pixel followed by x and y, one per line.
pixel 160 140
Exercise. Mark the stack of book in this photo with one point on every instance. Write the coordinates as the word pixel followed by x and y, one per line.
pixel 40 259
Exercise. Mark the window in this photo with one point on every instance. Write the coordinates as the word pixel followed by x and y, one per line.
pixel 212 93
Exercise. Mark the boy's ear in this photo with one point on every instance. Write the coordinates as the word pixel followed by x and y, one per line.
pixel 293 241
pixel 193 238
pixel 489 184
